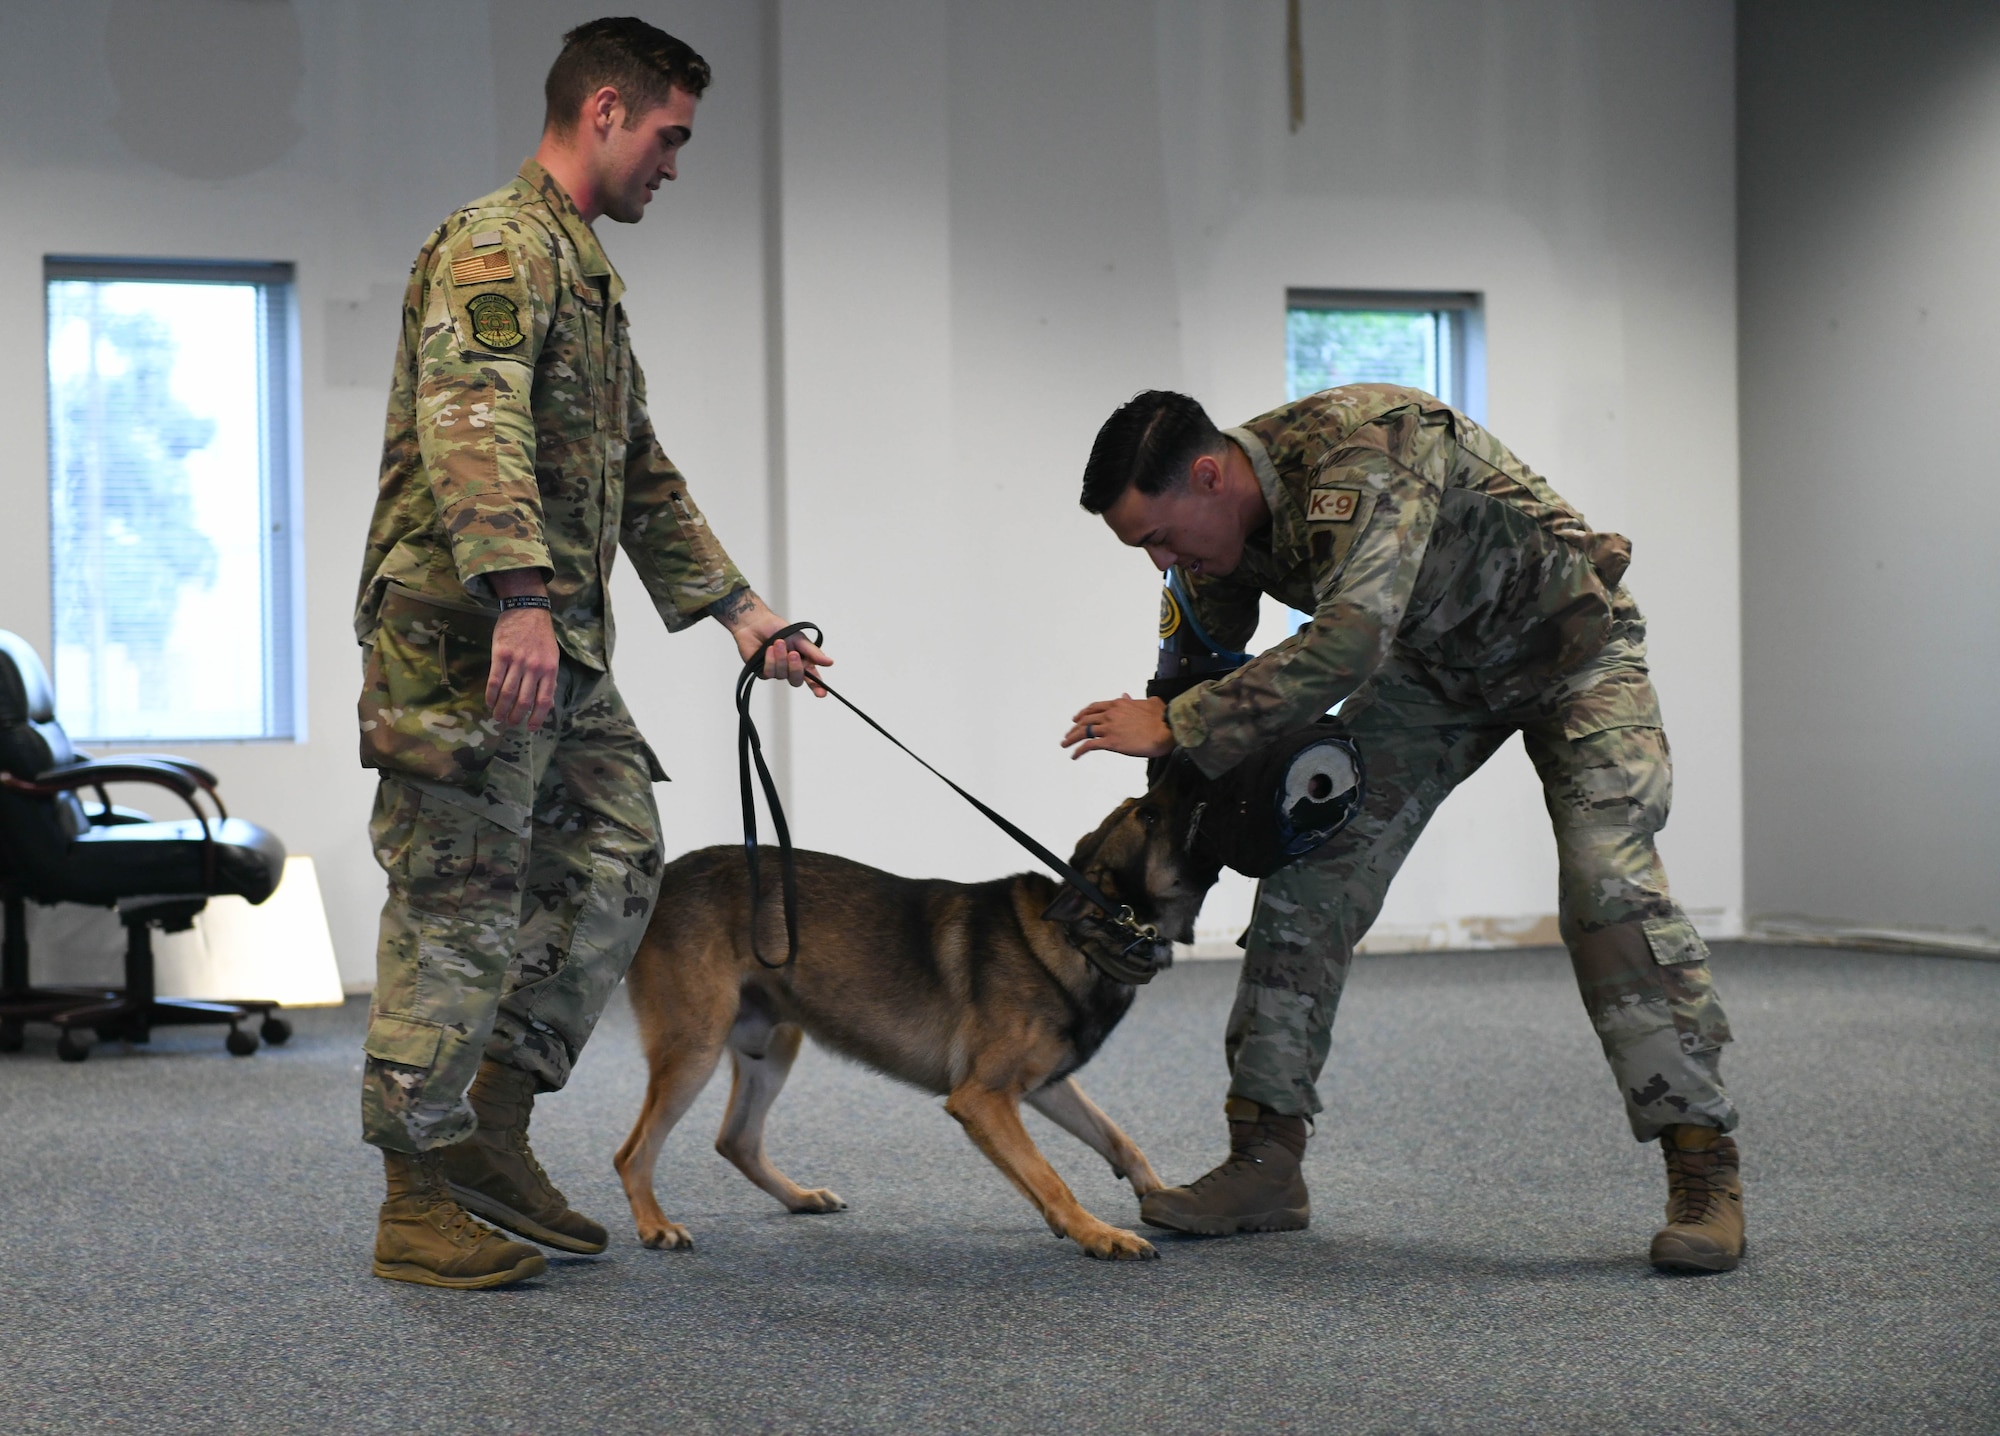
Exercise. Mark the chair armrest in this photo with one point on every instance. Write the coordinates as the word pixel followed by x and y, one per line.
pixel 199 775
pixel 96 773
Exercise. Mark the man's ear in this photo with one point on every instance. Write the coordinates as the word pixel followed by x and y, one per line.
pixel 1069 906
pixel 1205 475
pixel 604 110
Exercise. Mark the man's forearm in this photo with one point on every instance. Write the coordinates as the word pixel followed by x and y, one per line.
pixel 1223 721
pixel 732 608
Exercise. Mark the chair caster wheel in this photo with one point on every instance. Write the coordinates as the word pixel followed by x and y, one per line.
pixel 275 1031
pixel 70 1049
pixel 10 1036
pixel 239 1043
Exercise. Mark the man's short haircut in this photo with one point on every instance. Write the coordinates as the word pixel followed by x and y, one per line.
pixel 1149 444
pixel 642 63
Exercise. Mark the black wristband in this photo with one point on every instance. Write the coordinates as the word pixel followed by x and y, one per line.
pixel 528 600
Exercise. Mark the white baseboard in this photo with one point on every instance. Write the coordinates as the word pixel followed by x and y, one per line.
pixel 1468 934
pixel 1796 928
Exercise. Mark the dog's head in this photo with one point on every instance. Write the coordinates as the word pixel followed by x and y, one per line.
pixel 1139 857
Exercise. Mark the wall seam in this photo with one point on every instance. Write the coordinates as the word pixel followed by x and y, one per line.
pixel 777 590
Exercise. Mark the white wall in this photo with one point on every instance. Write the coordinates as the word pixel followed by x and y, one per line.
pixel 1871 222
pixel 975 274
pixel 901 286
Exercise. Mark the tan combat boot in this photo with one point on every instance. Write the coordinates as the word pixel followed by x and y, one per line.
pixel 1704 1230
pixel 494 1174
pixel 1259 1188
pixel 425 1237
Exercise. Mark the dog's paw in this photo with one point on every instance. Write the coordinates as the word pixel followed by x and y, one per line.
pixel 1111 1244
pixel 666 1236
pixel 819 1200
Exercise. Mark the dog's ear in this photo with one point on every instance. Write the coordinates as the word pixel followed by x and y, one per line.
pixel 1069 906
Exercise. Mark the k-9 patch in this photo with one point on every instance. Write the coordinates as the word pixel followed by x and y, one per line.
pixel 1332 506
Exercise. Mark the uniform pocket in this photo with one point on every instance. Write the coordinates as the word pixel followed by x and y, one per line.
pixel 1620 700
pixel 1681 958
pixel 423 693
pixel 1674 941
pixel 407 1041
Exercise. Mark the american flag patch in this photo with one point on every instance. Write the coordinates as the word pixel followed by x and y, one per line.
pixel 482 268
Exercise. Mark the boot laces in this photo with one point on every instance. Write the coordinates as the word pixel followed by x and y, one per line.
pixel 518 1139
pixel 1238 1160
pixel 1694 1184
pixel 460 1227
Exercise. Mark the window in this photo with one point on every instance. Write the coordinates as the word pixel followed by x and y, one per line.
pixel 1433 342
pixel 171 499
pixel 1426 341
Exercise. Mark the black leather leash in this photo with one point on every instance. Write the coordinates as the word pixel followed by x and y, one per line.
pixel 750 752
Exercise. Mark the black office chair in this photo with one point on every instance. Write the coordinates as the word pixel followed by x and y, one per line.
pixel 55 848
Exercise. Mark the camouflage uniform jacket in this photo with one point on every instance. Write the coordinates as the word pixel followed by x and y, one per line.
pixel 518 435
pixel 1403 528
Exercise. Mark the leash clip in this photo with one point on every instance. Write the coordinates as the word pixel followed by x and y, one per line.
pixel 1129 920
pixel 1138 960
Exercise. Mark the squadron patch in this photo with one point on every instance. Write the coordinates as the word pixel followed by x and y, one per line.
pixel 1170 615
pixel 1332 506
pixel 482 268
pixel 495 321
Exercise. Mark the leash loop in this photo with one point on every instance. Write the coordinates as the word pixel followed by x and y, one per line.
pixel 749 753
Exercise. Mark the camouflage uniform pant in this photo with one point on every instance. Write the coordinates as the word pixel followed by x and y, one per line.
pixel 513 911
pixel 1607 778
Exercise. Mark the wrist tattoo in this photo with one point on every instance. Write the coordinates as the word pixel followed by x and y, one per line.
pixel 732 606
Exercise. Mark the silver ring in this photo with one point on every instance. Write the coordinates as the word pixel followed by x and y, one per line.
pixel 1089 731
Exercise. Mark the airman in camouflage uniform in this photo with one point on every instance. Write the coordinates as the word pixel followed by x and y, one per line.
pixel 523 857
pixel 519 862
pixel 1455 601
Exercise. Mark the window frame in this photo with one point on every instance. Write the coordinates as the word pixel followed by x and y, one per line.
pixel 280 486
pixel 1466 371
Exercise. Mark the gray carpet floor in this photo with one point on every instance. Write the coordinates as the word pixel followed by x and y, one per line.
pixel 184 1238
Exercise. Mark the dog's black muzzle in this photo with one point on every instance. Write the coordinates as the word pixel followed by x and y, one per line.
pixel 1123 952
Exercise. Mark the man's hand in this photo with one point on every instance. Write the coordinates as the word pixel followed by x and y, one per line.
pixel 750 622
pixel 1133 726
pixel 522 682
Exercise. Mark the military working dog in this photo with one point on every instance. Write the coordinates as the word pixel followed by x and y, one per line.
pixel 979 992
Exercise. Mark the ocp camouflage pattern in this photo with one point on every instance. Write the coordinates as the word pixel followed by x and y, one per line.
pixel 514 909
pixel 1402 527
pixel 1456 601
pixel 1640 965
pixel 423 706
pixel 534 454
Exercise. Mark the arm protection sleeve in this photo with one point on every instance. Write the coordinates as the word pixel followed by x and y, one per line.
pixel 1362 594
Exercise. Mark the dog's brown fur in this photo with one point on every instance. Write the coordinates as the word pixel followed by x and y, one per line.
pixel 963 989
